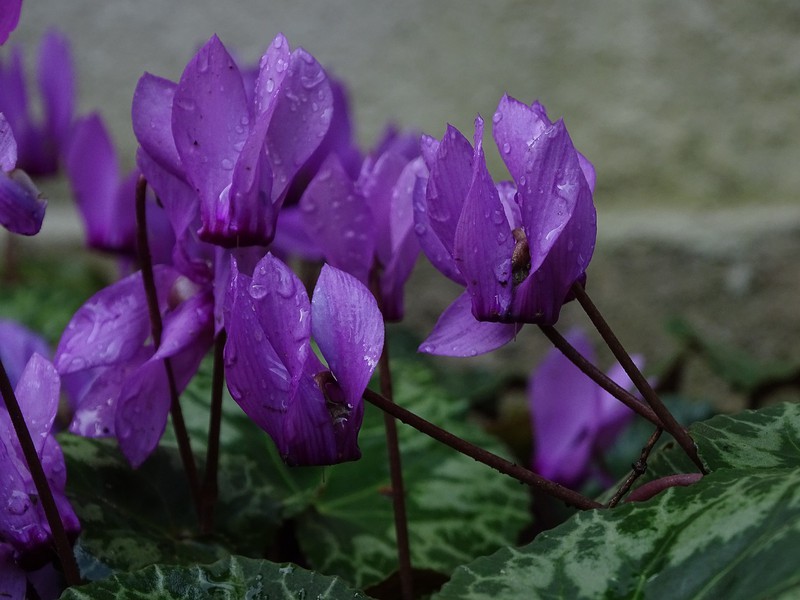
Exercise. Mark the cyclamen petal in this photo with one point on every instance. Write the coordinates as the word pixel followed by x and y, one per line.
pixel 8 146
pixel 21 207
pixel 56 76
pixel 516 127
pixel 151 115
pixel 18 345
pixel 348 327
pixel 9 18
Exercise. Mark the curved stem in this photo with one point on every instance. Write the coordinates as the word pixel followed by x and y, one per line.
pixel 596 375
pixel 156 326
pixel 484 456
pixel 60 539
pixel 674 428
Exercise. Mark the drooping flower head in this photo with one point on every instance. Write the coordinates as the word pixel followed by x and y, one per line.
pixel 312 412
pixel 23 525
pixel 21 208
pixel 574 420
pixel 238 156
pixel 516 246
pixel 9 17
pixel 41 145
pixel 364 223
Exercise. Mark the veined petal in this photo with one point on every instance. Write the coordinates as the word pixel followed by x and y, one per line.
pixel 8 146
pixel 57 82
pixel 458 333
pixel 190 324
pixel 564 414
pixel 432 246
pixel 151 114
pixel 348 327
pixel 21 207
pixel 300 118
pixel 508 196
pixel 112 325
pixel 37 393
pixel 19 344
pixel 339 220
pixel 428 146
pixel 515 128
pixel 448 184
pixel 483 242
pixel 210 121
pixel 554 186
pixel 9 17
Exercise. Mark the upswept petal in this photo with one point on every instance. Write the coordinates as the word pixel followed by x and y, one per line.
pixel 9 18
pixel 432 246
pixel 301 116
pixel 112 325
pixel 376 183
pixel 483 242
pixel 339 220
pixel 563 414
pixel 151 114
pixel 515 128
pixel 94 176
pixel 57 82
pixel 448 184
pixel 210 121
pixel 348 327
pixel 458 333
pixel 8 146
pixel 37 393
pixel 21 207
pixel 19 344
pixel 191 324
pixel 428 147
pixel 553 186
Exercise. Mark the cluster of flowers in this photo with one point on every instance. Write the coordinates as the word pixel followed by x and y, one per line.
pixel 248 168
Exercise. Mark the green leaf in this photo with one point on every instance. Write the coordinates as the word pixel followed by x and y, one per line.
pixel 233 577
pixel 734 534
pixel 135 518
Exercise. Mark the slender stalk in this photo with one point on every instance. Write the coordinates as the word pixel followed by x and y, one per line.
pixel 484 456
pixel 596 375
pixel 638 468
pixel 60 540
pixel 210 489
pixel 395 464
pixel 668 421
pixel 156 326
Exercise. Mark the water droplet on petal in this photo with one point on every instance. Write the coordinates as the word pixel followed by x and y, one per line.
pixel 257 291
pixel 498 116
pixel 506 148
pixel 270 85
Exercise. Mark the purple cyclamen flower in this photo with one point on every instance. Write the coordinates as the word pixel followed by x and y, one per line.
pixel 106 200
pixel 18 345
pixel 117 378
pixel 365 223
pixel 312 412
pixel 238 156
pixel 9 17
pixel 21 208
pixel 517 246
pixel 573 419
pixel 23 525
pixel 41 145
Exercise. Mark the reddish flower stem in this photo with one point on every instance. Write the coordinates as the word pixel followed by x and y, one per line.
pixel 156 326
pixel 674 428
pixel 484 456
pixel 638 468
pixel 210 489
pixel 61 541
pixel 651 488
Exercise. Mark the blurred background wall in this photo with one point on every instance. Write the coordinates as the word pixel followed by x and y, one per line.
pixel 688 109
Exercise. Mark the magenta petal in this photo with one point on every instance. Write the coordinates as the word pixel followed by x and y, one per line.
pixel 18 345
pixel 515 128
pixel 151 113
pixel 432 246
pixel 96 402
pixel 94 175
pixel 210 124
pixel 338 219
pixel 190 324
pixel 348 327
pixel 37 393
pixel 458 333
pixel 13 580
pixel 8 146
pixel 300 119
pixel 614 416
pixel 448 184
pixel 112 325
pixel 292 237
pixel 57 82
pixel 564 415
pixel 9 18
pixel 21 209
pixel 483 242
pixel 554 188
pixel 428 146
